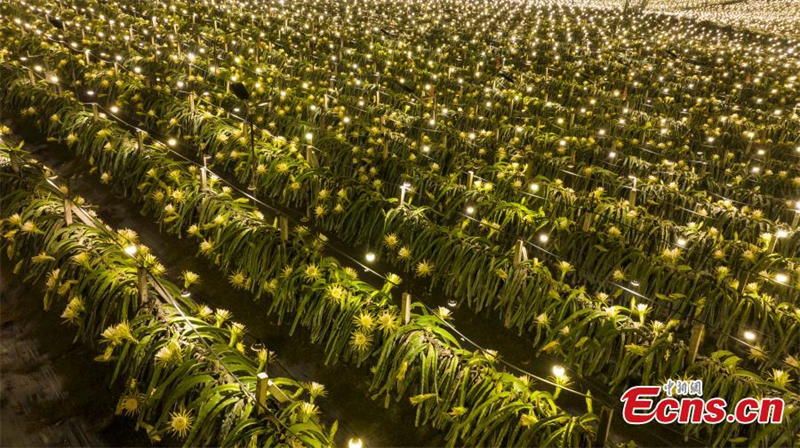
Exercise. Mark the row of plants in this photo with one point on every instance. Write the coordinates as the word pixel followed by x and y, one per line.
pixel 352 319
pixel 741 282
pixel 185 372
pixel 763 314
pixel 226 46
pixel 757 351
pixel 421 73
pixel 101 142
pixel 244 176
pixel 419 266
pixel 767 236
pixel 317 89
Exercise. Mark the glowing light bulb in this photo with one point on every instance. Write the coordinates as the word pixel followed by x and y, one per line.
pixel 309 136
pixel 534 187
pixel 543 238
pixel 355 443
pixel 558 371
pixel 681 242
pixel 781 278
pixel 749 335
pixel 131 250
pixel 370 257
pixel 470 210
pixel 172 142
pixel 114 109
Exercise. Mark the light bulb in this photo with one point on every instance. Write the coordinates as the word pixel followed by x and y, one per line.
pixel 172 142
pixel 370 257
pixel 355 443
pixel 114 109
pixel 681 242
pixel 781 278
pixel 749 335
pixel 558 371
pixel 131 250
pixel 543 238
pixel 309 136
pixel 534 187
pixel 470 210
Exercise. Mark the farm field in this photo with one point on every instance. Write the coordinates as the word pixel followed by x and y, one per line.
pixel 375 223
